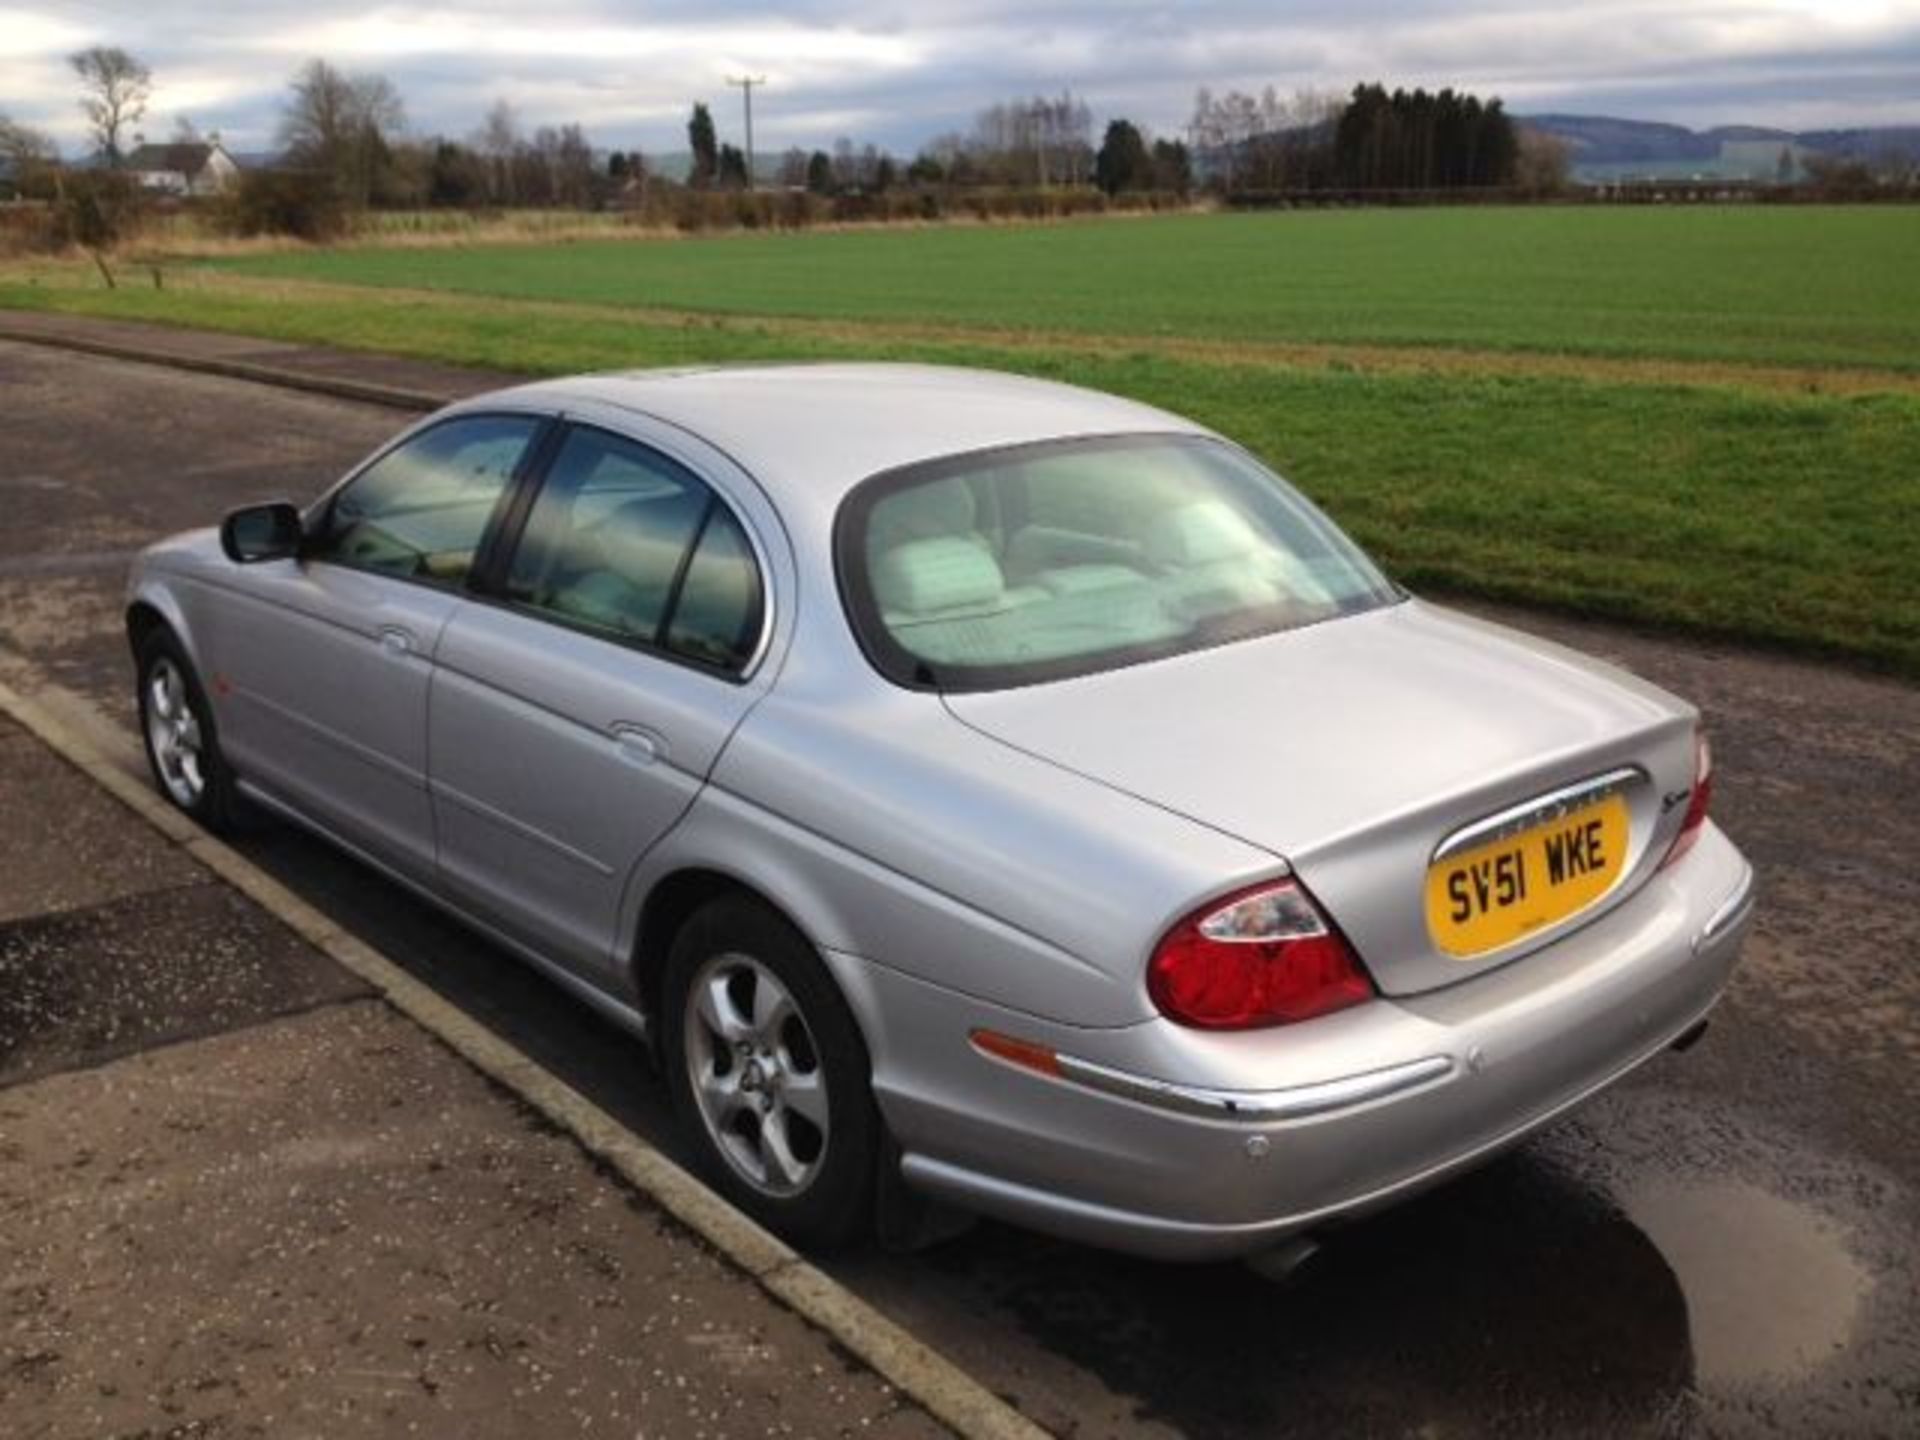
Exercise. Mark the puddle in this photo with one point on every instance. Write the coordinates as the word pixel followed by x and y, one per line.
pixel 1771 1288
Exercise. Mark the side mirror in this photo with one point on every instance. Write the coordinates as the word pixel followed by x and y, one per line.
pixel 261 532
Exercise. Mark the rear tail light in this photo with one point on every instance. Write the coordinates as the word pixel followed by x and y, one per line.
pixel 1263 956
pixel 1698 798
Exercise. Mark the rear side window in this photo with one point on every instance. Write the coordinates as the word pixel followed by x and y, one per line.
pixel 718 618
pixel 420 510
pixel 629 544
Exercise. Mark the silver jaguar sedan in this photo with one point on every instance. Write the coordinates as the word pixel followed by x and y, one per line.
pixel 974 788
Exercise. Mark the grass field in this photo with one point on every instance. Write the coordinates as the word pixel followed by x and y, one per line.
pixel 1829 286
pixel 1516 426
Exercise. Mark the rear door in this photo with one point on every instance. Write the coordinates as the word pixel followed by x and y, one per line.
pixel 579 702
pixel 322 664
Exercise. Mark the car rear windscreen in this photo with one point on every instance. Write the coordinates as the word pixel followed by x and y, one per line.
pixel 1037 562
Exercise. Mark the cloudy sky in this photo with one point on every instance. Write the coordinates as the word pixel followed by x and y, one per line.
pixel 896 73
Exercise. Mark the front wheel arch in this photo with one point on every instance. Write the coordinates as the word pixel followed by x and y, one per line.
pixel 217 806
pixel 155 612
pixel 143 620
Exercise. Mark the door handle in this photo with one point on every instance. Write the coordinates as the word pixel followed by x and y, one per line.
pixel 637 744
pixel 396 641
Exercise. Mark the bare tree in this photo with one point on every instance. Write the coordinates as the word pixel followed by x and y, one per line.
pixel 1066 139
pixel 114 90
pixel 1264 141
pixel 846 165
pixel 1225 127
pixel 318 121
pixel 22 144
pixel 1040 141
pixel 556 168
pixel 1545 162
pixel 499 140
pixel 952 155
pixel 1839 177
pixel 31 154
pixel 380 120
pixel 574 178
pixel 342 125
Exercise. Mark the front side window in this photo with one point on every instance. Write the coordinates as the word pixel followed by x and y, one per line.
pixel 421 509
pixel 1043 561
pixel 625 542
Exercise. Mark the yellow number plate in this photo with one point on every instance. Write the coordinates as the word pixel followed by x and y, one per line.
pixel 1494 894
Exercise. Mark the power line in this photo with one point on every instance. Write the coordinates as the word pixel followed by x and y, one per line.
pixel 746 84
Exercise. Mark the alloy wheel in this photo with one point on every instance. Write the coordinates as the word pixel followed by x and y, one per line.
pixel 173 734
pixel 756 1074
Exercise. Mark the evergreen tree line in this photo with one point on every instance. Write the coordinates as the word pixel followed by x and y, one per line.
pixel 1416 140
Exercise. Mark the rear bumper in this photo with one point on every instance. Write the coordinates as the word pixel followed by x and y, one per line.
pixel 1265 1134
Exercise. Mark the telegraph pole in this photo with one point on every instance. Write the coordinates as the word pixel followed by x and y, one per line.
pixel 746 84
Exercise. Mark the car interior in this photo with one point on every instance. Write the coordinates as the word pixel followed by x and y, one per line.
pixel 1073 554
pixel 421 509
pixel 607 543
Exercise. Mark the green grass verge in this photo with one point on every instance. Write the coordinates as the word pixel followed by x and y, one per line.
pixel 1781 519
pixel 1814 285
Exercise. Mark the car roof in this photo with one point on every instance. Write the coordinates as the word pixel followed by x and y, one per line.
pixel 826 427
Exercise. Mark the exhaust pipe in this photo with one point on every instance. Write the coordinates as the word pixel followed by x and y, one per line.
pixel 1689 1037
pixel 1284 1261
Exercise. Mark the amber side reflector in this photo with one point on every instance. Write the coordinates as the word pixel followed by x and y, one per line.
pixel 1023 1053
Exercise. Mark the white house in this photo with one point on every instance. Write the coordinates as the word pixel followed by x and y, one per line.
pixel 195 168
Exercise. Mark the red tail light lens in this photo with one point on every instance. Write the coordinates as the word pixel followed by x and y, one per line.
pixel 1697 801
pixel 1264 956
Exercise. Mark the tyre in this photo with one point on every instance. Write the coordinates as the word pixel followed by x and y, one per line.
pixel 769 1074
pixel 176 726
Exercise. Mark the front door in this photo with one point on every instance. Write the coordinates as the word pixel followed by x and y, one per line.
pixel 322 666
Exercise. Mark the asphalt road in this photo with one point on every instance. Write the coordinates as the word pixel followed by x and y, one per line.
pixel 1726 1244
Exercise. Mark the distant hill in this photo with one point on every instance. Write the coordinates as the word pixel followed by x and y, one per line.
pixel 1865 144
pixel 1603 140
pixel 1605 147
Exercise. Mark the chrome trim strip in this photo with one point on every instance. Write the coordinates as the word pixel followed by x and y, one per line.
pixel 1538 810
pixel 1298 1102
pixel 1731 912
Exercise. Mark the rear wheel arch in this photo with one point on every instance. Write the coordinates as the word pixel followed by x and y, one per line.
pixel 673 901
